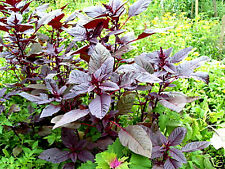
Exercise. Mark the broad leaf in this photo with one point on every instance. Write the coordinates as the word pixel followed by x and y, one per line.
pixel 99 54
pixel 157 152
pixel 69 166
pixel 186 68
pixel 73 125
pixel 146 77
pixel 106 68
pixel 109 86
pixel 138 7
pixel 126 102
pixel 85 155
pixel 80 89
pixel 194 146
pixel 100 105
pixel 54 155
pixel 2 92
pixel 78 32
pixel 51 84
pixel 37 86
pixel 177 136
pixel 157 138
pixel 50 110
pixel 48 17
pixel 139 162
pixel 177 155
pixel 69 137
pixel 71 116
pixel 149 32
pixel 172 164
pixel 14 19
pixel 78 77
pixel 137 140
pixel 179 56
pixel 203 76
pixel 143 62
pixel 175 100
pixel 95 11
pixel 35 99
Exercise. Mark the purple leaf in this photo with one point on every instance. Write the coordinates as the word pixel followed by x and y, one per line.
pixel 175 100
pixel 203 76
pixel 2 92
pixel 51 84
pixel 99 54
pixel 69 138
pixel 194 146
pixel 157 152
pixel 80 89
pixel 103 143
pixel 117 7
pixel 177 136
pixel 169 67
pixel 97 23
pixel 48 17
pixel 138 7
pixel 142 61
pixel 69 166
pixel 100 105
pixel 95 11
pixel 85 156
pixel 109 86
pixel 167 52
pixel 14 18
pixel 78 77
pixel 73 156
pixel 186 68
pixel 179 56
pixel 172 164
pixel 146 77
pixel 62 90
pixel 35 99
pixel 78 32
pixel 116 32
pixel 157 138
pixel 149 32
pixel 42 7
pixel 177 155
pixel 54 155
pixel 71 17
pixel 50 110
pixel 136 139
pixel 71 116
pixel 128 38
pixel 106 68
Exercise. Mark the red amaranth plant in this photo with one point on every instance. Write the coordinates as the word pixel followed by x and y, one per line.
pixel 78 70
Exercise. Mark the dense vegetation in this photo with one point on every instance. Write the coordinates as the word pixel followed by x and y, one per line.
pixel 135 84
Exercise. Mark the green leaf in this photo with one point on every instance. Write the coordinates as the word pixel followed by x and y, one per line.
pixel 103 159
pixel 35 145
pixel 5 152
pixel 1 129
pixel 88 165
pixel 162 122
pixel 208 164
pixel 117 148
pixel 139 162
